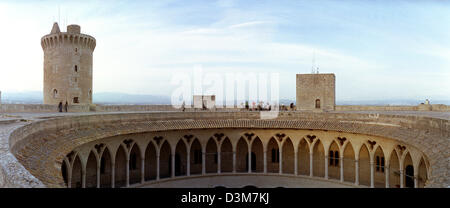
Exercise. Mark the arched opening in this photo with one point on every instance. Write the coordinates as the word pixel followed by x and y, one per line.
pixel 91 171
pixel 349 163
pixel 288 157
pixel 64 172
pixel 76 173
pixel 150 162
pixel 317 103
pixel 121 168
pixel 211 156
pixel 379 175
pixel 105 169
pixel 303 158
pixel 241 155
pixel 409 171
pixel 180 158
pixel 196 157
pixel 226 156
pixel 394 170
pixel 258 150
pixel 253 159
pixel 273 156
pixel 55 93
pixel 76 68
pixel 135 164
pixel 364 166
pixel 319 159
pixel 423 176
pixel 165 164
pixel 334 167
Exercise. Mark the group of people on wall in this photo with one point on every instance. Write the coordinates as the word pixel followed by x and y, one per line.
pixel 60 106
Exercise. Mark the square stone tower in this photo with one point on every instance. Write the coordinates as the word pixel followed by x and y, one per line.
pixel 316 92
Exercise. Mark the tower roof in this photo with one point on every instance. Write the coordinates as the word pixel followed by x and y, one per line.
pixel 55 28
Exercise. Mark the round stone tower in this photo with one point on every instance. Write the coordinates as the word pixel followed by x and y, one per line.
pixel 68 66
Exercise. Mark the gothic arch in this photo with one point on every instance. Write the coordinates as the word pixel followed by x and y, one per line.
pixel 165 164
pixel 211 156
pixel 91 171
pixel 150 162
pixel 241 155
pixel 349 162
pixel 258 151
pixel 364 165
pixel 76 172
pixel 226 155
pixel 134 165
pixel 196 157
pixel 180 158
pixel 273 155
pixel 318 159
pixel 303 157
pixel 121 167
pixel 288 156
pixel 105 168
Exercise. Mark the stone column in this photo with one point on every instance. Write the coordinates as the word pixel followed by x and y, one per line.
pixel 69 178
pixel 157 166
pixel 113 174
pixel 416 177
pixel 219 161
pixel 326 167
pixel 402 178
pixel 386 173
pixel 203 162
pixel 280 164
pixel 357 172
pixel 372 175
pixel 98 175
pixel 173 165
pixel 416 181
pixel 83 178
pixel 127 172
pixel 341 162
pixel 295 162
pixel 188 163
pixel 311 161
pixel 234 161
pixel 265 161
pixel 143 169
pixel 249 160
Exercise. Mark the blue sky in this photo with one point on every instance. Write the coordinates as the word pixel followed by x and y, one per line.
pixel 377 49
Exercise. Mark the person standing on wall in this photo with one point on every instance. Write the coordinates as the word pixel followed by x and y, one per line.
pixel 60 106
pixel 66 106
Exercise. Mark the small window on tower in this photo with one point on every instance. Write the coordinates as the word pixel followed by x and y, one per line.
pixel 317 103
pixel 76 49
pixel 76 68
pixel 75 100
pixel 55 93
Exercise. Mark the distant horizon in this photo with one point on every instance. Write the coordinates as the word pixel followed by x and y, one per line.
pixel 110 98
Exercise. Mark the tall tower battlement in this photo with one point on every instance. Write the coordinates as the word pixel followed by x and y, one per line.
pixel 68 66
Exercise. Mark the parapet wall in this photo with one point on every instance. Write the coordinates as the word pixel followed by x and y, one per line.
pixel 43 108
pixel 39 108
pixel 421 107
